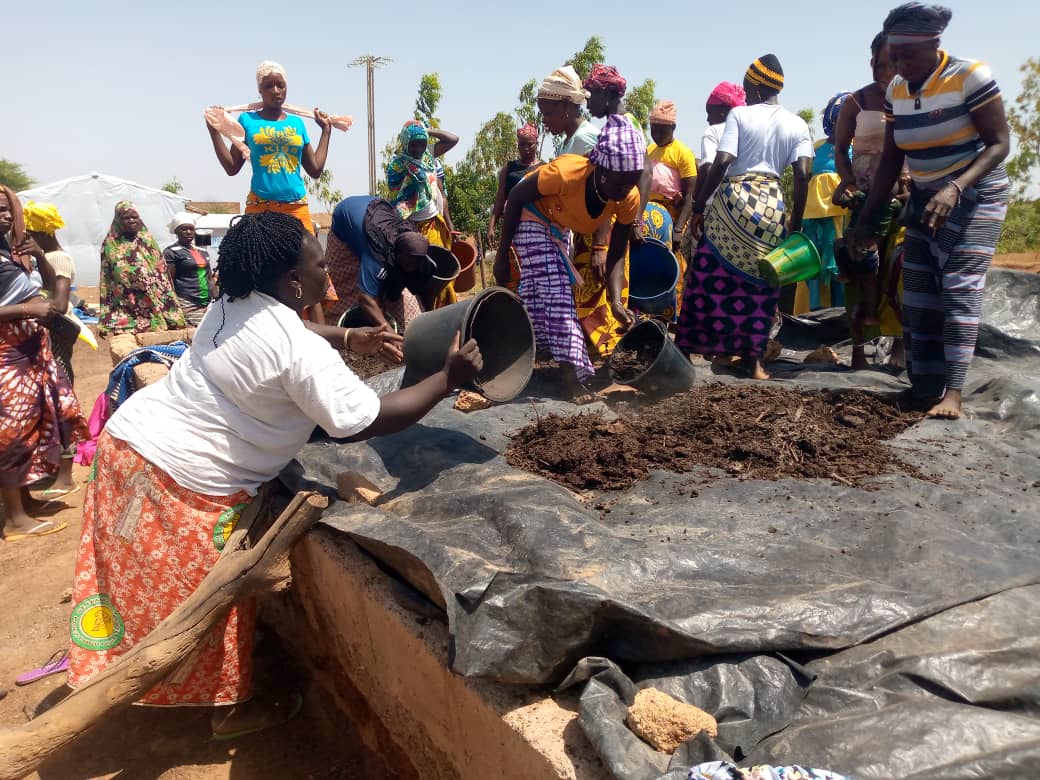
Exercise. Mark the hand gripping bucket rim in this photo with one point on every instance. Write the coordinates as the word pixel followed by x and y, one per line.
pixel 497 319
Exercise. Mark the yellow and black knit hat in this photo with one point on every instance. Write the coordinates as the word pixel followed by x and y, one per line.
pixel 766 72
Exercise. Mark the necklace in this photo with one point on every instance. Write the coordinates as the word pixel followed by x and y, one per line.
pixel 595 189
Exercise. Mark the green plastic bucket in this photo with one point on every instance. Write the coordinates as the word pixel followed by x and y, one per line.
pixel 794 260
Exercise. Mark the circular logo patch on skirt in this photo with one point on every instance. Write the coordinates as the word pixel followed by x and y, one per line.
pixel 226 524
pixel 95 624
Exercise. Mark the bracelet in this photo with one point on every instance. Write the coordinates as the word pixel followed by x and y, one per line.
pixel 599 247
pixel 346 339
pixel 959 189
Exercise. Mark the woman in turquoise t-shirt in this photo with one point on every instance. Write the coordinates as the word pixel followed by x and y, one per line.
pixel 279 147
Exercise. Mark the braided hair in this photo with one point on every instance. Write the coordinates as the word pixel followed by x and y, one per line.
pixel 256 251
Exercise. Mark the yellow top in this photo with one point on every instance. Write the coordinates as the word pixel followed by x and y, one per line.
pixel 561 183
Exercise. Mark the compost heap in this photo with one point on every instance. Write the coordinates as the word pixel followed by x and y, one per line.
pixel 752 430
pixel 881 633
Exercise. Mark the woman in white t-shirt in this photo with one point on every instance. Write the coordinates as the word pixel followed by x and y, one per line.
pixel 180 459
pixel 728 309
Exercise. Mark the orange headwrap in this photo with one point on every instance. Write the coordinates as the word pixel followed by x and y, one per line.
pixel 663 113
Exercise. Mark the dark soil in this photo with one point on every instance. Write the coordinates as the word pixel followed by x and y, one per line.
pixel 366 366
pixel 749 431
pixel 626 365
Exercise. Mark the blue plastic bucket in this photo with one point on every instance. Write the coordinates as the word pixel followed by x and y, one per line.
pixel 653 274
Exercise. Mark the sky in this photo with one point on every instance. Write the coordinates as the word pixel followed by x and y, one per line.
pixel 120 88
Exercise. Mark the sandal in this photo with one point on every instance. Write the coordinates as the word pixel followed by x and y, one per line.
pixel 44 528
pixel 55 493
pixel 59 662
pixel 279 715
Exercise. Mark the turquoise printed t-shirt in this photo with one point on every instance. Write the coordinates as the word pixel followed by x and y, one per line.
pixel 275 151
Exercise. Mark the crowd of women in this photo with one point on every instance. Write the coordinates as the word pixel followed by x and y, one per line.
pixel 177 463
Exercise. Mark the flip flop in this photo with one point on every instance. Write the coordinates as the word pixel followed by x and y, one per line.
pixel 45 528
pixel 56 493
pixel 59 662
pixel 274 719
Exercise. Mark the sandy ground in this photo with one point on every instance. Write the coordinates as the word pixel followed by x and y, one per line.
pixel 172 744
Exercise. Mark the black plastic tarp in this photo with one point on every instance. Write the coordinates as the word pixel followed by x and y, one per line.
pixel 889 632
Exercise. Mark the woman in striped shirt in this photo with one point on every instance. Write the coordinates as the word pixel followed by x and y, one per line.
pixel 945 117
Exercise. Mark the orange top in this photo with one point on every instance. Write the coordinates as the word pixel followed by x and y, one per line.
pixel 561 184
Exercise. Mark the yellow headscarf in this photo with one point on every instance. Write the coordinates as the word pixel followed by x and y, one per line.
pixel 42 218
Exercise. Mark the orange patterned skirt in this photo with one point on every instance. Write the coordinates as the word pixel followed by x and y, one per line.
pixel 147 544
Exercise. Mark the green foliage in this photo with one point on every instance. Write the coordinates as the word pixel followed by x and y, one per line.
pixel 429 99
pixel 1021 227
pixel 173 185
pixel 640 102
pixel 590 54
pixel 527 107
pixel 472 184
pixel 808 115
pixel 14 176
pixel 321 189
pixel 1024 120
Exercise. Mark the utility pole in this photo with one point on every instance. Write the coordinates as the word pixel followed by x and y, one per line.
pixel 371 62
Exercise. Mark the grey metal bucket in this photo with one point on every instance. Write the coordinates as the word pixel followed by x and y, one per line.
pixel 498 321
pixel 671 371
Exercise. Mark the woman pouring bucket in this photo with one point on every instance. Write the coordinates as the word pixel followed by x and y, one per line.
pixel 728 305
pixel 573 193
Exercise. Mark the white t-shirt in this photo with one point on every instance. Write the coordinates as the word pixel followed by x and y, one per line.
pixel 229 418
pixel 710 142
pixel 764 138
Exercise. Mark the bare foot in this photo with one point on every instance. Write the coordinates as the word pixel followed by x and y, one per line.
pixel 859 359
pixel 949 408
pixel 754 368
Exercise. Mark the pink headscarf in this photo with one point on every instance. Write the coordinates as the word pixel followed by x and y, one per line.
pixel 528 132
pixel 606 77
pixel 726 93
pixel 663 113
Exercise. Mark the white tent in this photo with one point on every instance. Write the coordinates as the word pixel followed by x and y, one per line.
pixel 87 204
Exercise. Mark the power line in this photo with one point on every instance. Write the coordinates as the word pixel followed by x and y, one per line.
pixel 371 62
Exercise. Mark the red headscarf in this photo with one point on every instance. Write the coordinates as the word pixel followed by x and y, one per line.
pixel 528 132
pixel 605 77
pixel 727 94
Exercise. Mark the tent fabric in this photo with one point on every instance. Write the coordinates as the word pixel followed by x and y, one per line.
pixel 87 204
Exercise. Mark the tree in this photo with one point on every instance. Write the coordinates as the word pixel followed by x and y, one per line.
pixel 640 102
pixel 173 185
pixel 808 115
pixel 1024 120
pixel 321 189
pixel 429 99
pixel 472 184
pixel 592 52
pixel 527 109
pixel 14 176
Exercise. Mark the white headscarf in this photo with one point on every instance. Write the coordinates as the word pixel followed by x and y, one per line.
pixel 563 84
pixel 268 68
pixel 182 218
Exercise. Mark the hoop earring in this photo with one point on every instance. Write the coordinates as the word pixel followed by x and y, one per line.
pixel 299 290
